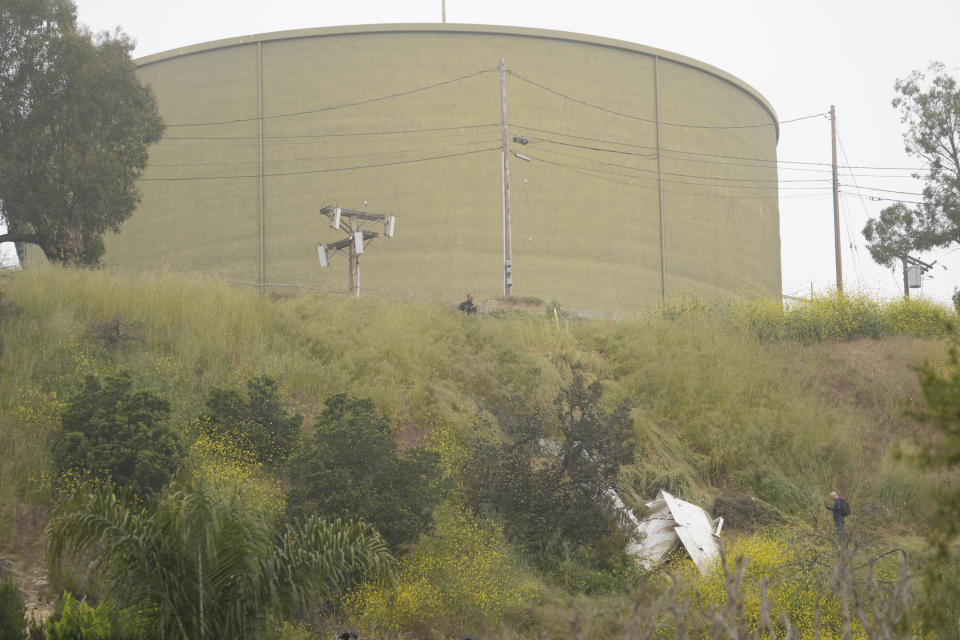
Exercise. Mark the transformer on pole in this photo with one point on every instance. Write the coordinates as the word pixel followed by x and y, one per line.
pixel 355 224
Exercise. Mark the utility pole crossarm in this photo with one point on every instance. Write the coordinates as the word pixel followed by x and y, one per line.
pixel 363 215
pixel 340 244
pixel 358 237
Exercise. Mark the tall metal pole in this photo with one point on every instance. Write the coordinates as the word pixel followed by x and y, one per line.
pixel 507 248
pixel 836 199
pixel 444 10
pixel 656 100
pixel 354 260
pixel 263 262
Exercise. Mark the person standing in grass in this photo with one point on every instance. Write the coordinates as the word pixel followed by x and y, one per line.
pixel 841 509
pixel 467 305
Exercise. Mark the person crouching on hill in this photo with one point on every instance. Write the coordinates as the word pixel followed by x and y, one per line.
pixel 467 305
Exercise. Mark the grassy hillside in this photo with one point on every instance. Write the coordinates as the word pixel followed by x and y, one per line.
pixel 729 401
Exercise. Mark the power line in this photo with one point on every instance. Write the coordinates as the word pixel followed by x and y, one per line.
pixel 333 170
pixel 683 175
pixel 862 203
pixel 338 106
pixel 879 198
pixel 601 173
pixel 767 161
pixel 902 193
pixel 311 136
pixel 316 158
pixel 648 156
pixel 652 121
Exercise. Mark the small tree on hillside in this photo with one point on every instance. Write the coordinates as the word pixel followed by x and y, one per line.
pixel 551 500
pixel 118 433
pixel 595 442
pixel 940 602
pixel 351 467
pixel 260 421
pixel 13 621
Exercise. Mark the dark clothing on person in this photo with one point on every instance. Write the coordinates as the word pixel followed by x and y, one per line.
pixel 841 509
pixel 467 306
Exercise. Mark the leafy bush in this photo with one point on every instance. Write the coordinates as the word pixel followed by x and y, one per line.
pixel 351 466
pixel 460 579
pixel 260 420
pixel 833 316
pixel 118 434
pixel 13 622
pixel 555 502
pixel 79 621
pixel 940 605
pixel 799 578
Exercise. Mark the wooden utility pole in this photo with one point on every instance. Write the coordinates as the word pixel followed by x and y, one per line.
pixel 836 199
pixel 354 223
pixel 505 152
pixel 354 260
pixel 906 280
pixel 921 267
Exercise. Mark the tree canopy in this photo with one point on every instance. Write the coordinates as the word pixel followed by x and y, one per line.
pixel 75 123
pixel 351 467
pixel 554 493
pixel 117 433
pixel 929 105
pixel 261 421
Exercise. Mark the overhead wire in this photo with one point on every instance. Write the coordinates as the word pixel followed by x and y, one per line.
pixel 654 172
pixel 316 136
pixel 337 106
pixel 651 120
pixel 881 198
pixel 725 157
pixel 705 177
pixel 766 161
pixel 329 157
pixel 853 245
pixel 601 174
pixel 331 170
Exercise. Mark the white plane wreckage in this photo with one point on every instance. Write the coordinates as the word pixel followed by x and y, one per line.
pixel 672 522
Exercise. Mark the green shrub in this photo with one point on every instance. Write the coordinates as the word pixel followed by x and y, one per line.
pixel 13 622
pixel 351 467
pixel 80 621
pixel 117 433
pixel 833 316
pixel 260 420
pixel 901 489
pixel 800 575
pixel 461 579
pixel 556 502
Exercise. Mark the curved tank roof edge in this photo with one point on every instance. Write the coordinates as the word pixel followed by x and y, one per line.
pixel 462 28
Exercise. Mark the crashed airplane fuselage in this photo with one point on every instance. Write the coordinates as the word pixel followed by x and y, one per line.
pixel 674 521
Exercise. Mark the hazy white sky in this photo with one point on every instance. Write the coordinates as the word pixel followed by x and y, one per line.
pixel 802 56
